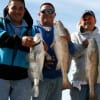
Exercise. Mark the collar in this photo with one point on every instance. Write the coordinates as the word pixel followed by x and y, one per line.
pixel 23 24
pixel 45 27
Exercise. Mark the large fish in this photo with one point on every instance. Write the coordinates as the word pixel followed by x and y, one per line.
pixel 92 67
pixel 61 49
pixel 36 61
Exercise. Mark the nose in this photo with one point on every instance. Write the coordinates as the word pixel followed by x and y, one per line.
pixel 86 19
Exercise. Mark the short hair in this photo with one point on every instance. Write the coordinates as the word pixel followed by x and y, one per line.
pixel 47 3
pixel 17 0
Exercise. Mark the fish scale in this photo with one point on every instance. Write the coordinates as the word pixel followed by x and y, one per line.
pixel 92 67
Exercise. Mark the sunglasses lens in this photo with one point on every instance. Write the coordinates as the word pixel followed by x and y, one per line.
pixel 47 11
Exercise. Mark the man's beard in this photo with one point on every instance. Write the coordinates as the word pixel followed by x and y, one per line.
pixel 45 21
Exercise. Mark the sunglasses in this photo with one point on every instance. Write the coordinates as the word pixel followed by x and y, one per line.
pixel 47 11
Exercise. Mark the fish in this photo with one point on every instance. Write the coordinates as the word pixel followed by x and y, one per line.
pixel 92 61
pixel 60 46
pixel 36 62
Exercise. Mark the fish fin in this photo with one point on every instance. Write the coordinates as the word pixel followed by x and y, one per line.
pixel 35 90
pixel 41 76
pixel 53 44
pixel 58 66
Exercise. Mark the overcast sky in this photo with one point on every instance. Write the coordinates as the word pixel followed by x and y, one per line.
pixel 68 11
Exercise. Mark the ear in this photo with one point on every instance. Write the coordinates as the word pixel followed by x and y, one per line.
pixel 55 14
pixel 95 21
pixel 7 8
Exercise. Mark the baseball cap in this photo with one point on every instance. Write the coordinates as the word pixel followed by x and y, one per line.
pixel 88 12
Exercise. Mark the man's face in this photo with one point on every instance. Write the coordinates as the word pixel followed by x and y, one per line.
pixel 16 11
pixel 46 15
pixel 88 22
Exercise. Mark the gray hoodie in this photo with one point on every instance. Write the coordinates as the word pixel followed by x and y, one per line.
pixel 78 68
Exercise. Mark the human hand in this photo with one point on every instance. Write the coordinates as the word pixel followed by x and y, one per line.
pixel 47 64
pixel 27 41
pixel 48 61
pixel 85 43
pixel 45 46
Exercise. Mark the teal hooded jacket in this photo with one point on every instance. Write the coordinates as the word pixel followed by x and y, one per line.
pixel 13 56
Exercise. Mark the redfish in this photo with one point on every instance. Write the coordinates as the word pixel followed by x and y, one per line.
pixel 61 49
pixel 92 60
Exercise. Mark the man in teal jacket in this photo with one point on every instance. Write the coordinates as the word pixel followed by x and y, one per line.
pixel 15 40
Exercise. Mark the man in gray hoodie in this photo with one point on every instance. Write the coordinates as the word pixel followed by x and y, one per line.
pixel 86 29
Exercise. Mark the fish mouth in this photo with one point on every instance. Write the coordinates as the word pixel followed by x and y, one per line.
pixel 57 22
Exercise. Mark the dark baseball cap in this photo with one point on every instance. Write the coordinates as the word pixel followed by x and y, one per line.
pixel 88 12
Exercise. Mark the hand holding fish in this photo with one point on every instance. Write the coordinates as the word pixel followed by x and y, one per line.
pixel 48 61
pixel 85 43
pixel 45 46
pixel 28 41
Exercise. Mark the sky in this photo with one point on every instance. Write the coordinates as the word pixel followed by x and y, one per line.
pixel 68 11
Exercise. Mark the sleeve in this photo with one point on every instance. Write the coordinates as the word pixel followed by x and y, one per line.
pixel 7 40
pixel 79 49
pixel 36 29
pixel 71 48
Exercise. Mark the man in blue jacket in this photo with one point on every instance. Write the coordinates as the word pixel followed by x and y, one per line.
pixel 15 40
pixel 50 87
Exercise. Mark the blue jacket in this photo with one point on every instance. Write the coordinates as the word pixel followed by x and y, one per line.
pixel 11 51
pixel 13 56
pixel 48 36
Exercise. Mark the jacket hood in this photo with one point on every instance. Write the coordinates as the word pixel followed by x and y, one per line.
pixel 27 17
